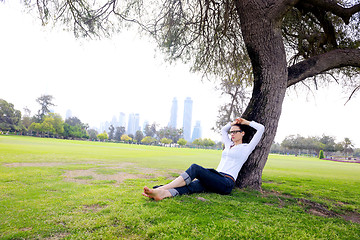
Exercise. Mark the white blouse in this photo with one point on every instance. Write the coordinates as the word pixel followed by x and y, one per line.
pixel 233 158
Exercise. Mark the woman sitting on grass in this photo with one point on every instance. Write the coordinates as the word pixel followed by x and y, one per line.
pixel 222 180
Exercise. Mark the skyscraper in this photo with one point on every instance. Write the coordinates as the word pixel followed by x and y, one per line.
pixel 137 122
pixel 173 114
pixel 122 119
pixel 133 123
pixel 197 133
pixel 187 118
pixel 114 122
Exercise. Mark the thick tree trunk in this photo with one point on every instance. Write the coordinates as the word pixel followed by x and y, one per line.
pixel 262 36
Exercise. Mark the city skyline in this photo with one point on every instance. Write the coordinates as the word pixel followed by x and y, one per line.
pixel 134 121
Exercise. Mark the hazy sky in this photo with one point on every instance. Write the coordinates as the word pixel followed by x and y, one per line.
pixel 100 79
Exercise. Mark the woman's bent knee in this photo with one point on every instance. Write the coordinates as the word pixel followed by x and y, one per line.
pixel 194 165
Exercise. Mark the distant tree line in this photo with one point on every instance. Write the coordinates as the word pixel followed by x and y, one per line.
pixel 151 135
pixel 297 145
pixel 43 124
pixel 48 124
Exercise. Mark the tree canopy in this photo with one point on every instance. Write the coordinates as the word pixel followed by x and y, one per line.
pixel 45 101
pixel 10 118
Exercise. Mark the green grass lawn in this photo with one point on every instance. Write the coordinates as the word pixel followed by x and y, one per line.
pixel 60 189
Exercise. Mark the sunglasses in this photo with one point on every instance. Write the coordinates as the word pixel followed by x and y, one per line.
pixel 236 131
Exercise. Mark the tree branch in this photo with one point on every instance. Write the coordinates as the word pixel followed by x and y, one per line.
pixel 352 93
pixel 318 64
pixel 333 7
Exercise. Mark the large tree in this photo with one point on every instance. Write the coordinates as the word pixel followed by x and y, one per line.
pixel 10 118
pixel 45 101
pixel 286 42
pixel 119 132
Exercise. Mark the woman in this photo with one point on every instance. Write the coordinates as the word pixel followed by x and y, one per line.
pixel 222 180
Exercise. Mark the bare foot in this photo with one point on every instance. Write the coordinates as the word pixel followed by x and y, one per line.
pixel 156 194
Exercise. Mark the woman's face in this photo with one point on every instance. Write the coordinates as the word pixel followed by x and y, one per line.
pixel 236 133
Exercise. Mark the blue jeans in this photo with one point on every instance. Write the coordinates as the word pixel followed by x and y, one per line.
pixel 208 180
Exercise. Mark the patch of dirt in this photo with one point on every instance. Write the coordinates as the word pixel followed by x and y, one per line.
pixel 30 164
pixel 120 165
pixel 25 229
pixel 277 195
pixel 54 164
pixel 202 199
pixel 317 209
pixel 130 171
pixel 89 175
pixel 93 207
pixel 317 213
pixel 58 236
pixel 75 176
pixel 352 216
pixel 49 164
pixel 314 208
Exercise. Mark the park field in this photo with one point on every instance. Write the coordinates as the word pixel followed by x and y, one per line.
pixel 62 189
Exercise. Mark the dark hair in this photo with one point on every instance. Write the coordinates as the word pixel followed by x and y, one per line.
pixel 249 132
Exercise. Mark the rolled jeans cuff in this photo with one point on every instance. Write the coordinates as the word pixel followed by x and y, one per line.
pixel 186 178
pixel 173 192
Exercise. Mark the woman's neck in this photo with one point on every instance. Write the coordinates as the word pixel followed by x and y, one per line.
pixel 238 142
